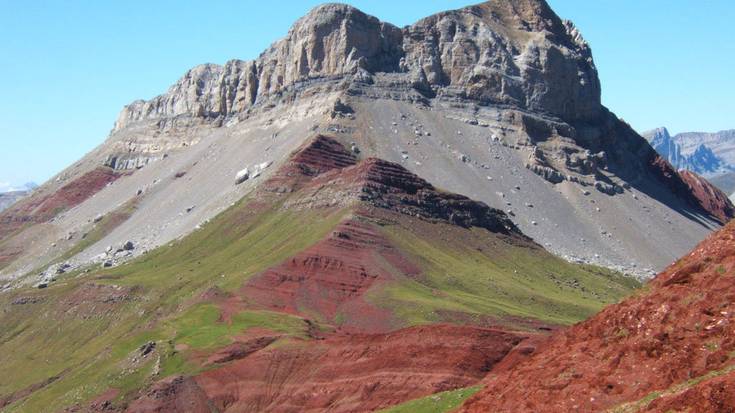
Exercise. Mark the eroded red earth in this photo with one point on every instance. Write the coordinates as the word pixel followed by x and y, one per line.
pixel 367 362
pixel 342 373
pixel 40 207
pixel 331 277
pixel 712 198
pixel 677 338
pixel 693 188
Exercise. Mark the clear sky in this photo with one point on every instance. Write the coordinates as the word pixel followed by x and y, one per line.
pixel 68 67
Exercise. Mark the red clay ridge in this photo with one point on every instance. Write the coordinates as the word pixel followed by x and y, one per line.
pixel 710 197
pixel 678 330
pixel 693 189
pixel 318 155
pixel 343 373
pixel 331 277
pixel 329 175
pixel 41 208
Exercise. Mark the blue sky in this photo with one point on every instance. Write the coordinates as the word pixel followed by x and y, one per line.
pixel 68 67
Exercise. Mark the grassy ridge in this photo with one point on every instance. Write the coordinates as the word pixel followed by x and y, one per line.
pixel 92 350
pixel 474 273
pixel 443 402
pixel 92 345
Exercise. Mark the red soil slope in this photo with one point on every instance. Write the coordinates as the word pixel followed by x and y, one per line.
pixel 327 174
pixel 330 278
pixel 373 371
pixel 363 365
pixel 713 200
pixel 39 207
pixel 677 337
pixel 693 188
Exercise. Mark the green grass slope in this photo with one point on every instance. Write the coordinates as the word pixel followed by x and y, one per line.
pixel 86 330
pixel 444 402
pixel 470 274
pixel 89 338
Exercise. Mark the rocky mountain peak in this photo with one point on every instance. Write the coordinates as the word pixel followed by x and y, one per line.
pixel 511 53
pixel 693 151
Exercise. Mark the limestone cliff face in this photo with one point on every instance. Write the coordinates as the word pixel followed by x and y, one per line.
pixel 515 53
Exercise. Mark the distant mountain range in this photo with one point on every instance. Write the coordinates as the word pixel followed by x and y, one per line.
pixel 711 155
pixel 707 154
pixel 9 194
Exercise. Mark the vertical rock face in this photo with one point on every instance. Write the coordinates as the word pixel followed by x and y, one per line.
pixel 332 40
pixel 515 53
pixel 512 53
pixel 661 141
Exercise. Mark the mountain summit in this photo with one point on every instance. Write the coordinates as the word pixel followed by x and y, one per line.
pixel 517 54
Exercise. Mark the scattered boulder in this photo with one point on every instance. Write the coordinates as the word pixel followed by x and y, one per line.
pixel 147 348
pixel 610 189
pixel 258 169
pixel 340 108
pixel 128 246
pixel 242 176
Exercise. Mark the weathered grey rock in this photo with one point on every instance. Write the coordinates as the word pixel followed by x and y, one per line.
pixel 513 53
pixel 128 246
pixel 610 189
pixel 242 176
pixel 551 175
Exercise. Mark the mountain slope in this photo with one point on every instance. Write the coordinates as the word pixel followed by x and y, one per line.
pixel 319 283
pixel 499 101
pixel 668 347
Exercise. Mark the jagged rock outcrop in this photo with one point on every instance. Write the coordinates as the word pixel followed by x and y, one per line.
pixel 515 53
pixel 661 141
pixel 518 54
